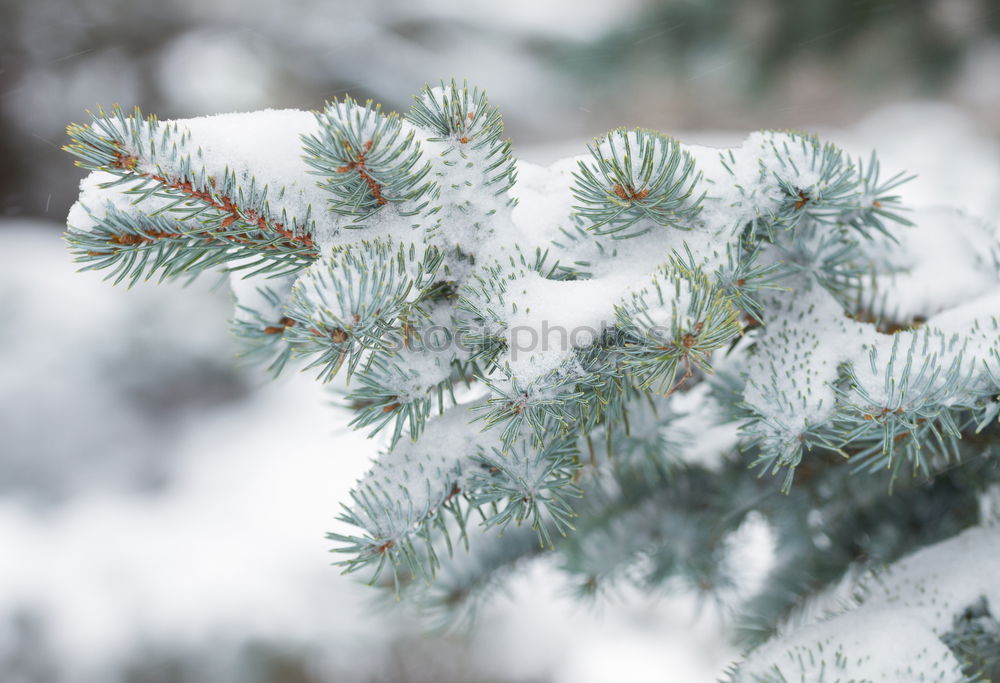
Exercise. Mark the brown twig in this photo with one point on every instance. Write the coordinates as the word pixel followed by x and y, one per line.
pixel 359 166
pixel 294 238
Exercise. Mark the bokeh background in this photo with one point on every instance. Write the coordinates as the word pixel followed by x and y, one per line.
pixel 162 508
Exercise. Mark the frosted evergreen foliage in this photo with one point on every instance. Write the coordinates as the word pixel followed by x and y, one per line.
pixel 586 359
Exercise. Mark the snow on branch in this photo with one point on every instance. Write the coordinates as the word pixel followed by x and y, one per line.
pixel 535 345
pixel 928 617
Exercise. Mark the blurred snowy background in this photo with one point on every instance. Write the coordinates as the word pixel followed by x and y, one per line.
pixel 162 509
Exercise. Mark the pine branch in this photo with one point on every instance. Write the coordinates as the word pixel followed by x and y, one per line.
pixel 145 156
pixel 768 284
pixel 137 246
pixel 345 305
pixel 527 485
pixel 473 129
pixel 367 161
pixel 675 325
pixel 262 332
pixel 635 176
pixel 421 367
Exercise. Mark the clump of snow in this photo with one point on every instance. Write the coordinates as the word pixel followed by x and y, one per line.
pixel 424 357
pixel 899 133
pixel 264 145
pixel 547 319
pixel 808 338
pixel 412 480
pixel 743 186
pixel 97 201
pixel 945 258
pixel 544 202
pixel 790 381
pixel 904 610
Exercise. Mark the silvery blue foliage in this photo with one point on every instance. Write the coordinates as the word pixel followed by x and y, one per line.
pixel 595 351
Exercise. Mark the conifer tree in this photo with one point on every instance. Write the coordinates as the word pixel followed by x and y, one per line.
pixel 623 359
